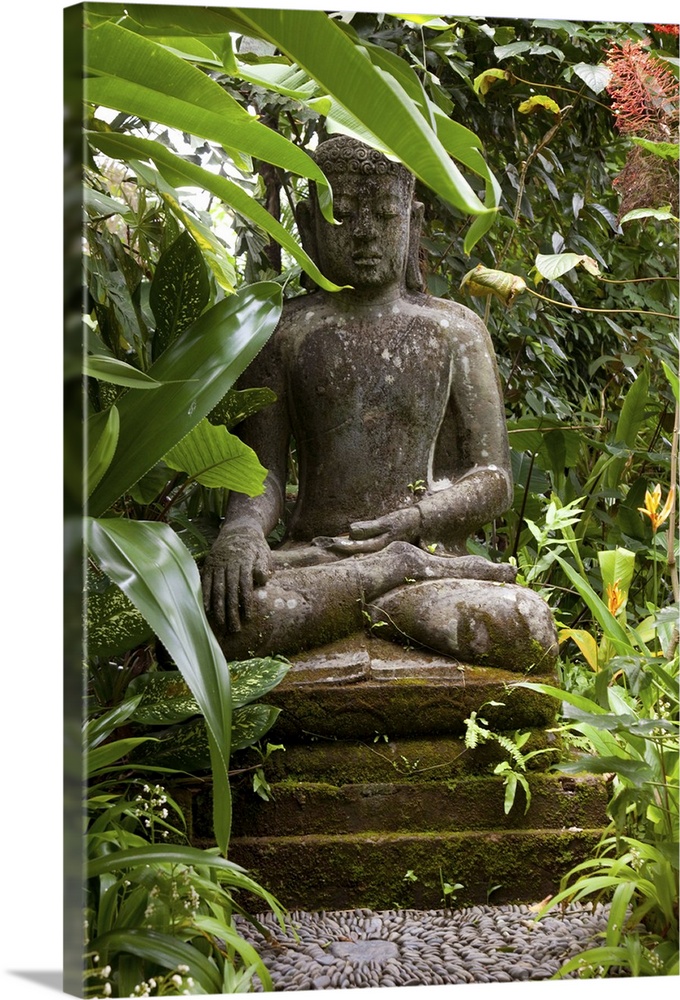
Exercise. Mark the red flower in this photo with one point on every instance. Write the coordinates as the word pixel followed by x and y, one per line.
pixel 644 92
pixel 667 29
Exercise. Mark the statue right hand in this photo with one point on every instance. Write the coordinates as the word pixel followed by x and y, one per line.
pixel 239 561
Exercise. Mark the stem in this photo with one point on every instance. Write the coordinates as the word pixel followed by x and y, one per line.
pixel 524 504
pixel 568 90
pixel 592 309
pixel 631 281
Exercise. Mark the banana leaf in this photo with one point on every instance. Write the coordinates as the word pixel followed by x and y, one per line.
pixel 199 368
pixel 156 572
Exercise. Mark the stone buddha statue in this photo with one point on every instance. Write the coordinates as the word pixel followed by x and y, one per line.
pixel 393 401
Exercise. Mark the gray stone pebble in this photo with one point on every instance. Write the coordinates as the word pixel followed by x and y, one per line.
pixel 352 949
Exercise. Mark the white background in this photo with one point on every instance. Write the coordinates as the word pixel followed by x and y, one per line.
pixel 30 517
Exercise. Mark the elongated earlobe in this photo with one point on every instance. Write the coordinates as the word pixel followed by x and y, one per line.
pixel 304 217
pixel 414 279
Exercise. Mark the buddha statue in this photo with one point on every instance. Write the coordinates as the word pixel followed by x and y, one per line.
pixel 393 401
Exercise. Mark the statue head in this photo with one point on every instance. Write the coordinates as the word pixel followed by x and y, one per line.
pixel 376 244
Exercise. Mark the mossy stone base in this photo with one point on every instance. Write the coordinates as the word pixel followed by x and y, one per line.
pixel 316 872
pixel 470 804
pixel 361 686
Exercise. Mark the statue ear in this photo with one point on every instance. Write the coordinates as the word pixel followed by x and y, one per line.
pixel 304 217
pixel 414 278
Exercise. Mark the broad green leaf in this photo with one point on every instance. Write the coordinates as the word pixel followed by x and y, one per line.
pixel 117 372
pixel 179 172
pixel 482 281
pixel 251 679
pixel 251 723
pixel 179 291
pixel 239 404
pixel 114 624
pixel 215 254
pixel 571 697
pixel 154 569
pixel 109 753
pixel 538 102
pixel 673 380
pixel 661 214
pixel 464 146
pixel 483 83
pixel 617 566
pixel 102 434
pixel 133 74
pixel 636 771
pixel 198 368
pixel 217 459
pixel 632 413
pixel 666 150
pixel 511 49
pixel 370 93
pixel 160 949
pixel 184 747
pixel 611 628
pixel 97 729
pixel 164 698
pixel 595 77
pixel 250 957
pixel 554 265
pixel 178 854
pixel 585 642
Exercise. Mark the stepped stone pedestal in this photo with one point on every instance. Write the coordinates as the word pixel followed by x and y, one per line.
pixel 376 801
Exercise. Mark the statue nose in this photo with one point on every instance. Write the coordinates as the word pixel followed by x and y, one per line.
pixel 365 224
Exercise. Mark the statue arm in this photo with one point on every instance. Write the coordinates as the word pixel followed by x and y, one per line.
pixel 471 462
pixel 473 454
pixel 240 558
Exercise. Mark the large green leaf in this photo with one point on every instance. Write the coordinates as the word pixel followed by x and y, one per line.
pixel 179 291
pixel 611 628
pixel 217 459
pixel 156 572
pixel 371 93
pixel 117 372
pixel 161 949
pixel 180 172
pixel 198 368
pixel 133 74
pixel 239 404
pixel 164 697
pixel 102 433
pixel 114 624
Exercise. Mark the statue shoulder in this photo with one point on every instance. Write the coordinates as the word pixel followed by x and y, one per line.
pixel 449 315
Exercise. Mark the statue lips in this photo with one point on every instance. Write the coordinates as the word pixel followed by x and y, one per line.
pixel 367 257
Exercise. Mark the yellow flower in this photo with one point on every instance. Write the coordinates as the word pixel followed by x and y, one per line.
pixel 651 507
pixel 615 598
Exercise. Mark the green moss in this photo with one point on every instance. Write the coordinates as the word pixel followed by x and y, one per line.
pixel 350 872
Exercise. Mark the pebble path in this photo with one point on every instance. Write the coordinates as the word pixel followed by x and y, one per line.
pixel 347 949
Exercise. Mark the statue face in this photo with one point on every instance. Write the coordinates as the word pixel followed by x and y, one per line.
pixel 368 250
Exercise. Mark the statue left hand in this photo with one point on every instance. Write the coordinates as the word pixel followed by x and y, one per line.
pixel 372 536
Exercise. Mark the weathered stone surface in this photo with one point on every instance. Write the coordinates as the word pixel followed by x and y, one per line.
pixel 362 685
pixel 340 762
pixel 465 804
pixel 315 872
pixel 394 402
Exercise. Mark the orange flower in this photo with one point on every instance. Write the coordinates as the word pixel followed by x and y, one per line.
pixel 651 507
pixel 615 598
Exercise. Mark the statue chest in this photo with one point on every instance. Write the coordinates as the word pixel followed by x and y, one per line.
pixel 367 379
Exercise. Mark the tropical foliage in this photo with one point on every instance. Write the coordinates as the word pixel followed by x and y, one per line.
pixel 546 157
